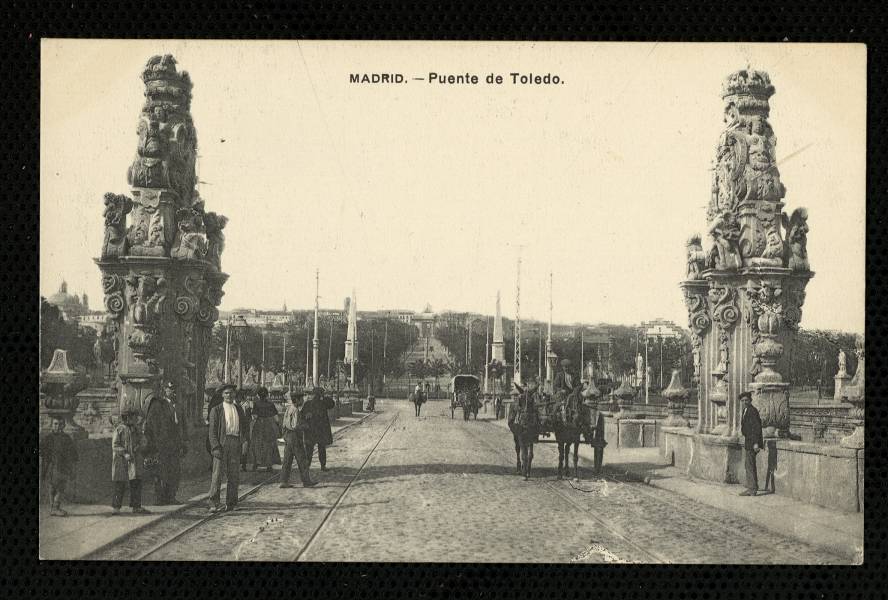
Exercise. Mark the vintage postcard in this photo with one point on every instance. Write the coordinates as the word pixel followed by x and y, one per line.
pixel 452 301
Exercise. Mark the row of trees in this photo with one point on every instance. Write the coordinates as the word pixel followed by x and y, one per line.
pixel 381 345
pixel 811 356
pixel 58 333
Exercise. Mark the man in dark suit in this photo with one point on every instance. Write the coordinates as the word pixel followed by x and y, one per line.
pixel 751 428
pixel 319 432
pixel 228 441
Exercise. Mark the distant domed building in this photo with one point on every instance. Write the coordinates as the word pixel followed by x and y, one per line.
pixel 71 306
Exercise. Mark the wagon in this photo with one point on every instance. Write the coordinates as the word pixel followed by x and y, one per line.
pixel 465 394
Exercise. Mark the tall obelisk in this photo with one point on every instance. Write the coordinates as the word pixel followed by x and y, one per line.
pixel 351 340
pixel 551 357
pixel 498 347
pixel 315 343
pixel 517 377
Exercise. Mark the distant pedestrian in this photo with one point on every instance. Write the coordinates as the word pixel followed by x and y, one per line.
pixel 319 434
pixel 128 447
pixel 751 428
pixel 163 427
pixel 264 432
pixel 246 406
pixel 227 444
pixel 58 454
pixel 418 398
pixel 295 426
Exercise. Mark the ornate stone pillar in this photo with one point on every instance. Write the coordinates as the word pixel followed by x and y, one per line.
pixel 161 275
pixel 757 267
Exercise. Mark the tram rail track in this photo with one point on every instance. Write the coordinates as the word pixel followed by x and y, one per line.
pixel 341 496
pixel 193 510
pixel 639 484
pixel 655 557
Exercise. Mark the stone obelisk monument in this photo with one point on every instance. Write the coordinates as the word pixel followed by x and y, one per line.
pixel 161 255
pixel 351 340
pixel 498 348
pixel 744 295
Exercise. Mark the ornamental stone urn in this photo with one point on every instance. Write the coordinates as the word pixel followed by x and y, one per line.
pixel 624 395
pixel 59 385
pixel 676 396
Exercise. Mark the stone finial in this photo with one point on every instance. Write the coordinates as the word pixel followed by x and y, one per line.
pixel 676 395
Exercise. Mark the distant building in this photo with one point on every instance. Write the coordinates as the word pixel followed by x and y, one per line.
pixel 71 305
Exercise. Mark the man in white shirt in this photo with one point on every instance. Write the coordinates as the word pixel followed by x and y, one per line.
pixel 227 443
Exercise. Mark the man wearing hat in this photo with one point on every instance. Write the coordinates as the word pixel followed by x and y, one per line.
pixel 295 425
pixel 128 446
pixel 564 380
pixel 319 432
pixel 162 424
pixel 751 428
pixel 228 441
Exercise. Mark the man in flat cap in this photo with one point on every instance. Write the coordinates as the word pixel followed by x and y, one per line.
pixel 751 428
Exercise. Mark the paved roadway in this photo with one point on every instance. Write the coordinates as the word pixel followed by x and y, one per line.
pixel 436 489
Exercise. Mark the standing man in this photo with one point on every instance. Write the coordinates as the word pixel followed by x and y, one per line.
pixel 418 398
pixel 319 431
pixel 58 455
pixel 128 447
pixel 228 442
pixel 295 425
pixel 162 426
pixel 751 428
pixel 246 406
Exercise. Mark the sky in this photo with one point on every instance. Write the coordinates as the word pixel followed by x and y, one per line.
pixel 421 193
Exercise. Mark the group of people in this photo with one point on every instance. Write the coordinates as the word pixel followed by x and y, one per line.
pixel 240 432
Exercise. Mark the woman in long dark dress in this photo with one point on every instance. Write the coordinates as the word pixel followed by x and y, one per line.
pixel 264 433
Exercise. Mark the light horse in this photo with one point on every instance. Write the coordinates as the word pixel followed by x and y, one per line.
pixel 575 420
pixel 524 425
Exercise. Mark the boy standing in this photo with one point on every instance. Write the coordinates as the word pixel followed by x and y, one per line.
pixel 58 455
pixel 127 464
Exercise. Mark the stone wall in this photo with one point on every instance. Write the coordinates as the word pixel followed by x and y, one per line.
pixel 92 480
pixel 826 475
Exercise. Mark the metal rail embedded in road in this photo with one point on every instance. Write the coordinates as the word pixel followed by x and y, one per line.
pixel 336 504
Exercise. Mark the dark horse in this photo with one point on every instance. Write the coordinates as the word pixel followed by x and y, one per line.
pixel 578 420
pixel 572 423
pixel 524 425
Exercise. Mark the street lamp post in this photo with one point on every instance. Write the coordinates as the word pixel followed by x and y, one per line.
pixel 240 326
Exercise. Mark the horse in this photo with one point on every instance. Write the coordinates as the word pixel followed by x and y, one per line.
pixel 524 425
pixel 470 404
pixel 571 425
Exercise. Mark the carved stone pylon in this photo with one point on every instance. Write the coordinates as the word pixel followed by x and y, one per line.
pixel 161 274
pixel 757 267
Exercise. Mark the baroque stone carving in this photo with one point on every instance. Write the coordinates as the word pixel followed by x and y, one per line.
pixel 797 236
pixel 725 253
pixel 215 238
pixel 696 258
pixel 112 286
pixel 146 299
pixel 117 206
pixel 190 242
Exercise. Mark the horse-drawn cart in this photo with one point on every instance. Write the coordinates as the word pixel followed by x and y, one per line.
pixel 466 391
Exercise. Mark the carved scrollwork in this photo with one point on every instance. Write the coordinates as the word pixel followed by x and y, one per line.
pixel 112 286
pixel 723 300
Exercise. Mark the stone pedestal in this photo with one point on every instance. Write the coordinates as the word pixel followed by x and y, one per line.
pixel 842 382
pixel 59 386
